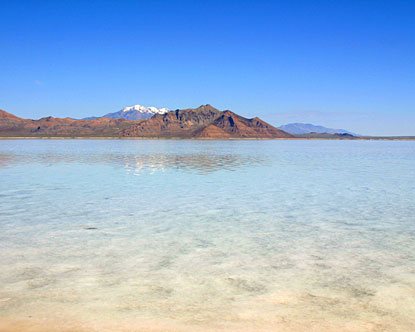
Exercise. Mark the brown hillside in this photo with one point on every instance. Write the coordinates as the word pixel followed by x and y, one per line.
pixel 238 126
pixel 13 126
pixel 6 115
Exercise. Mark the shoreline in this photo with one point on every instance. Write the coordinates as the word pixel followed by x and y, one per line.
pixel 207 139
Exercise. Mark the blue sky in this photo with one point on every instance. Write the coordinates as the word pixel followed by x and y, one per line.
pixel 343 64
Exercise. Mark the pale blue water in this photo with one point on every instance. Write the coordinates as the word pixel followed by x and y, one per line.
pixel 137 235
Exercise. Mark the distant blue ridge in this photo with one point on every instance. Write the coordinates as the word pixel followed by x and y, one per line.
pixel 306 128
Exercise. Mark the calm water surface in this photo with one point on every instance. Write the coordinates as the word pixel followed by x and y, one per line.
pixel 132 235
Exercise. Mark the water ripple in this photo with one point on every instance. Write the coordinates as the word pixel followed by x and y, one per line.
pixel 140 163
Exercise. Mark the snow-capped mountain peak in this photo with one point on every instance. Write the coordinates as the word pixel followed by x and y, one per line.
pixel 135 112
pixel 143 109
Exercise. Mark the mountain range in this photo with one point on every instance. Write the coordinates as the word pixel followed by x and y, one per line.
pixel 138 112
pixel 308 128
pixel 204 122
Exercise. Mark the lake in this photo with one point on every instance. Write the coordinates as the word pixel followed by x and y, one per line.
pixel 188 235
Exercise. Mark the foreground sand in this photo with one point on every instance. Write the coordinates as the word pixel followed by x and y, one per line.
pixel 70 325
pixel 282 312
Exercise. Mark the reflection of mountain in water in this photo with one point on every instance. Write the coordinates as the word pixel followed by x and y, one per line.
pixel 203 163
pixel 142 163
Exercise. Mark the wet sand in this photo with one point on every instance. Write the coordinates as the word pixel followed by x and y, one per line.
pixel 391 310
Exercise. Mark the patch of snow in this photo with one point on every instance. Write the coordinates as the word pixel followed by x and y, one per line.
pixel 143 109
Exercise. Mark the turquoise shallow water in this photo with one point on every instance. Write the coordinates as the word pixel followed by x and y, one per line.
pixel 135 235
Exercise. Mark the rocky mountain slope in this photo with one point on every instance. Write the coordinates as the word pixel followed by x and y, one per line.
pixel 13 126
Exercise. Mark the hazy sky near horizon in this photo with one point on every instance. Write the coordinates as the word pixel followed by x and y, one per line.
pixel 342 64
